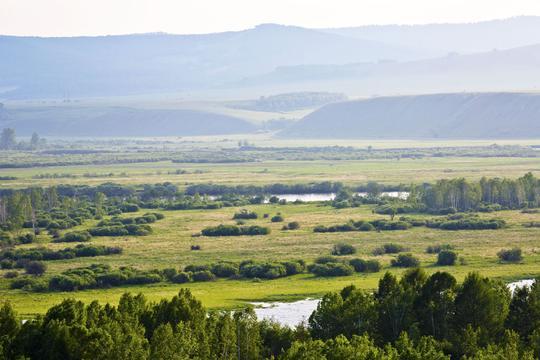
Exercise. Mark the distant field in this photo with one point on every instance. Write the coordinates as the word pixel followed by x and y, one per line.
pixel 169 246
pixel 392 171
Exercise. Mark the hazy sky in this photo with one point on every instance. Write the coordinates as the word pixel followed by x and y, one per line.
pixel 92 17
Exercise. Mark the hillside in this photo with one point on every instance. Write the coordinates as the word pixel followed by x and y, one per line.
pixel 446 116
pixel 120 121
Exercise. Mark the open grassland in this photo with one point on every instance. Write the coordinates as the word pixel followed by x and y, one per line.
pixel 169 246
pixel 391 171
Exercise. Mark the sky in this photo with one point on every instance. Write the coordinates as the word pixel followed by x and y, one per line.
pixel 111 17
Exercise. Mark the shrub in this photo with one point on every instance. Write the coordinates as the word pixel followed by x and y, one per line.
pixel 196 268
pixel 7 264
pixel 203 276
pixel 405 260
pixel 225 269
pixel 195 247
pixel 277 218
pixel 389 249
pixel 331 269
pixel 446 258
pixel 181 278
pixel 435 249
pixel 367 266
pixel 27 238
pixel 169 273
pixel 245 215
pixel 75 236
pixel 262 270
pixel 294 267
pixel 11 274
pixel 343 249
pixel 129 208
pixel 511 255
pixel 326 259
pixel 365 226
pixel 292 226
pixel 37 268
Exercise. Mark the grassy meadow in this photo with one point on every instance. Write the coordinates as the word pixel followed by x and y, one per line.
pixel 169 246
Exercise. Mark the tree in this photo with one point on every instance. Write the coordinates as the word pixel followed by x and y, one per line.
pixel 483 304
pixel 34 141
pixel 7 139
pixel 37 268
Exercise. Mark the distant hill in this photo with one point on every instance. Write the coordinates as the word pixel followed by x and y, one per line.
pixel 441 39
pixel 33 67
pixel 120 121
pixel 512 69
pixel 444 116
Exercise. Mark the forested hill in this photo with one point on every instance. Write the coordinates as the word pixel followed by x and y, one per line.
pixel 452 116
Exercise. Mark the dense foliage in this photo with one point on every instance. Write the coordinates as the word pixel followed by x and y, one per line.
pixel 419 317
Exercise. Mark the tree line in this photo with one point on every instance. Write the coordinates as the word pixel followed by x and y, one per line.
pixel 417 317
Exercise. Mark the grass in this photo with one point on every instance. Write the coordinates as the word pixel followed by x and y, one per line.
pixel 169 246
pixel 391 171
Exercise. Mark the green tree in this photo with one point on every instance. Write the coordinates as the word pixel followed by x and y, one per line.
pixel 7 139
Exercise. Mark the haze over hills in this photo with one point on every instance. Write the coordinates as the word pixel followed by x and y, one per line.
pixel 267 55
pixel 440 39
pixel 152 63
pixel 446 116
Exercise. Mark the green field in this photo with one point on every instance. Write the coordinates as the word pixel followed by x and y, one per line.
pixel 353 172
pixel 169 246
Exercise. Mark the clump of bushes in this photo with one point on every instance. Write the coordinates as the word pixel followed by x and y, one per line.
pixel 75 236
pixel 36 268
pixel 67 253
pixel 510 255
pixel 435 249
pixel 405 261
pixel 380 224
pixel 331 269
pixel 389 249
pixel 277 218
pixel 466 222
pixel 233 230
pixel 365 266
pixel 446 258
pixel 291 226
pixel 245 215
pixel 343 249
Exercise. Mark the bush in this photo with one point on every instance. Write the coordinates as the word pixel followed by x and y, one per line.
pixel 343 249
pixel 446 258
pixel 196 268
pixel 225 269
pixel 331 269
pixel 233 230
pixel 389 249
pixel 277 218
pixel 27 238
pixel 129 208
pixel 37 268
pixel 203 276
pixel 365 226
pixel 435 249
pixel 11 274
pixel 75 236
pixel 326 259
pixel 511 255
pixel 365 266
pixel 262 270
pixel 195 247
pixel 405 260
pixel 292 226
pixel 245 215
pixel 181 278
pixel 7 264
pixel 294 267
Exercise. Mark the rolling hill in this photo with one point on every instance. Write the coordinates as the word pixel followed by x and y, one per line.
pixel 446 116
pixel 78 121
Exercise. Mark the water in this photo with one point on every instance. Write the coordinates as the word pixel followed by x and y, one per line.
pixel 325 196
pixel 288 314
pixel 294 313
pixel 331 196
